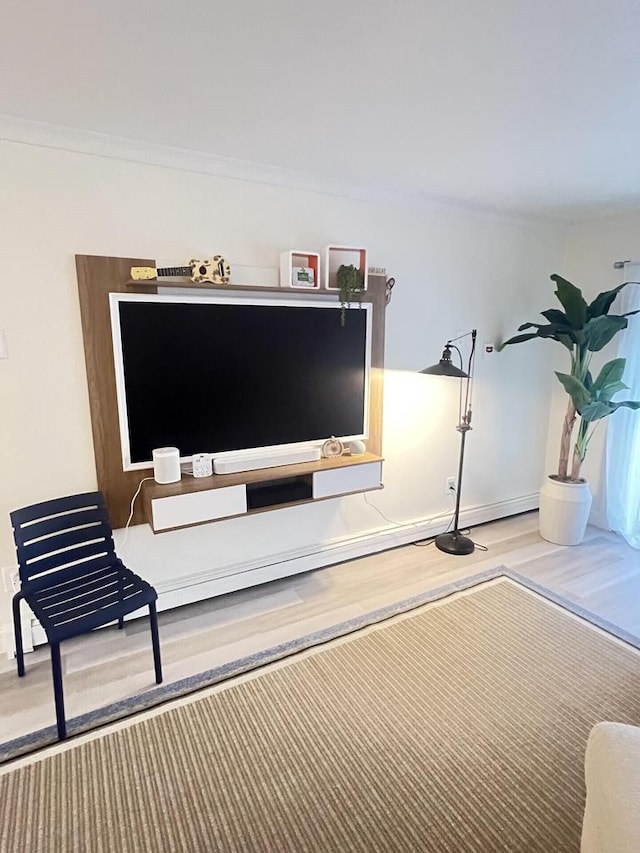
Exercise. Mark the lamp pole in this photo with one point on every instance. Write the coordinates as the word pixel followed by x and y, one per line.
pixel 454 542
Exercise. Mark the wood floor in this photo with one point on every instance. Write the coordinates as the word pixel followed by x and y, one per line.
pixel 602 575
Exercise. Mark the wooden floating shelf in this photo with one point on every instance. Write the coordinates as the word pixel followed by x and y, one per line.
pixel 294 292
pixel 192 285
pixel 190 484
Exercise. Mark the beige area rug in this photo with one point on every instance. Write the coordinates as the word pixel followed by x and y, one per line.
pixel 460 726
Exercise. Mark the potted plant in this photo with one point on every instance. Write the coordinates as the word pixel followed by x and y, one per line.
pixel 565 498
pixel 350 281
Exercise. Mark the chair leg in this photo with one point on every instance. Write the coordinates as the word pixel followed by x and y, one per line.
pixel 56 667
pixel 17 632
pixel 155 640
pixel 120 599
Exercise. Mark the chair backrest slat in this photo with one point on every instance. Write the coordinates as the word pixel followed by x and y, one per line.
pixel 51 535
pixel 69 573
pixel 68 541
pixel 61 522
pixel 78 561
pixel 55 507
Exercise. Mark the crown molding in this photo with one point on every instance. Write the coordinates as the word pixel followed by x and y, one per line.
pixel 76 140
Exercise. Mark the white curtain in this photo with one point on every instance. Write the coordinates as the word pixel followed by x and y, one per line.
pixel 623 429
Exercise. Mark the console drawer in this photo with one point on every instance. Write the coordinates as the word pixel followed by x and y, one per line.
pixel 197 507
pixel 343 481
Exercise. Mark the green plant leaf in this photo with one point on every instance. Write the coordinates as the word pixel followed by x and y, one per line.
pixel 517 339
pixel 547 330
pixel 566 341
pixel 572 301
pixel 553 315
pixel 529 326
pixel 600 409
pixel 602 329
pixel 610 372
pixel 595 411
pixel 603 302
pixel 575 389
pixel 606 393
pixel 625 404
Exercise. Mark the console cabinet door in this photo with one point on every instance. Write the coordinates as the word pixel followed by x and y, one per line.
pixel 343 481
pixel 198 507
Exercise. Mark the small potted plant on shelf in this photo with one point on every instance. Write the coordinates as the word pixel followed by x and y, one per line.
pixel 350 282
pixel 565 498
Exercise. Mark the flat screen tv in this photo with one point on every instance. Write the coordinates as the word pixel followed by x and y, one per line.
pixel 227 372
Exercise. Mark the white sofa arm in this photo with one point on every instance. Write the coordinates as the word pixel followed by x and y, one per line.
pixel 612 771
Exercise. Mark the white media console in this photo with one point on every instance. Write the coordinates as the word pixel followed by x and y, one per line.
pixel 205 499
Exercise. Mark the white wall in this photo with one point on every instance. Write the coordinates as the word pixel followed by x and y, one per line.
pixel 454 270
pixel 590 251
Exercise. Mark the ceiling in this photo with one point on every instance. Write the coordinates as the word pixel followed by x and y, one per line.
pixel 509 105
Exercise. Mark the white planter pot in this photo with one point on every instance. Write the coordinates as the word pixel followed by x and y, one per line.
pixel 564 511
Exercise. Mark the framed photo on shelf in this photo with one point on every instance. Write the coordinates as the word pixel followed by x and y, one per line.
pixel 300 270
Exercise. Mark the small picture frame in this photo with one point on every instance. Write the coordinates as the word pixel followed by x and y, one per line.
pixel 300 269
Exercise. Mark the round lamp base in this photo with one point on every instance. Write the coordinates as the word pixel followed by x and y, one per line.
pixel 454 543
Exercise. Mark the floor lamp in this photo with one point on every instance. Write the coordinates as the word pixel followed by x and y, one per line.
pixel 454 542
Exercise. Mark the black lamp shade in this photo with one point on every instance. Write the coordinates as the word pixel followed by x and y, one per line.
pixel 445 367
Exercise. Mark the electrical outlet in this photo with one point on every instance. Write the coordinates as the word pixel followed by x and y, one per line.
pixel 451 485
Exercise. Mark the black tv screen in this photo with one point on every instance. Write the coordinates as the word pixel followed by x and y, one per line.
pixel 220 374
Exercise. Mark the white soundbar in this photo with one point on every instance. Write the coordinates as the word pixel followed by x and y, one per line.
pixel 236 462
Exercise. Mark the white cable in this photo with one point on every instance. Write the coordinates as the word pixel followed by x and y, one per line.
pixel 133 500
pixel 405 523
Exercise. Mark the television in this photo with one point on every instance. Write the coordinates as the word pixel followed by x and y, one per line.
pixel 220 373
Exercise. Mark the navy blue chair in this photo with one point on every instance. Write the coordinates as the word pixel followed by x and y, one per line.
pixel 72 579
